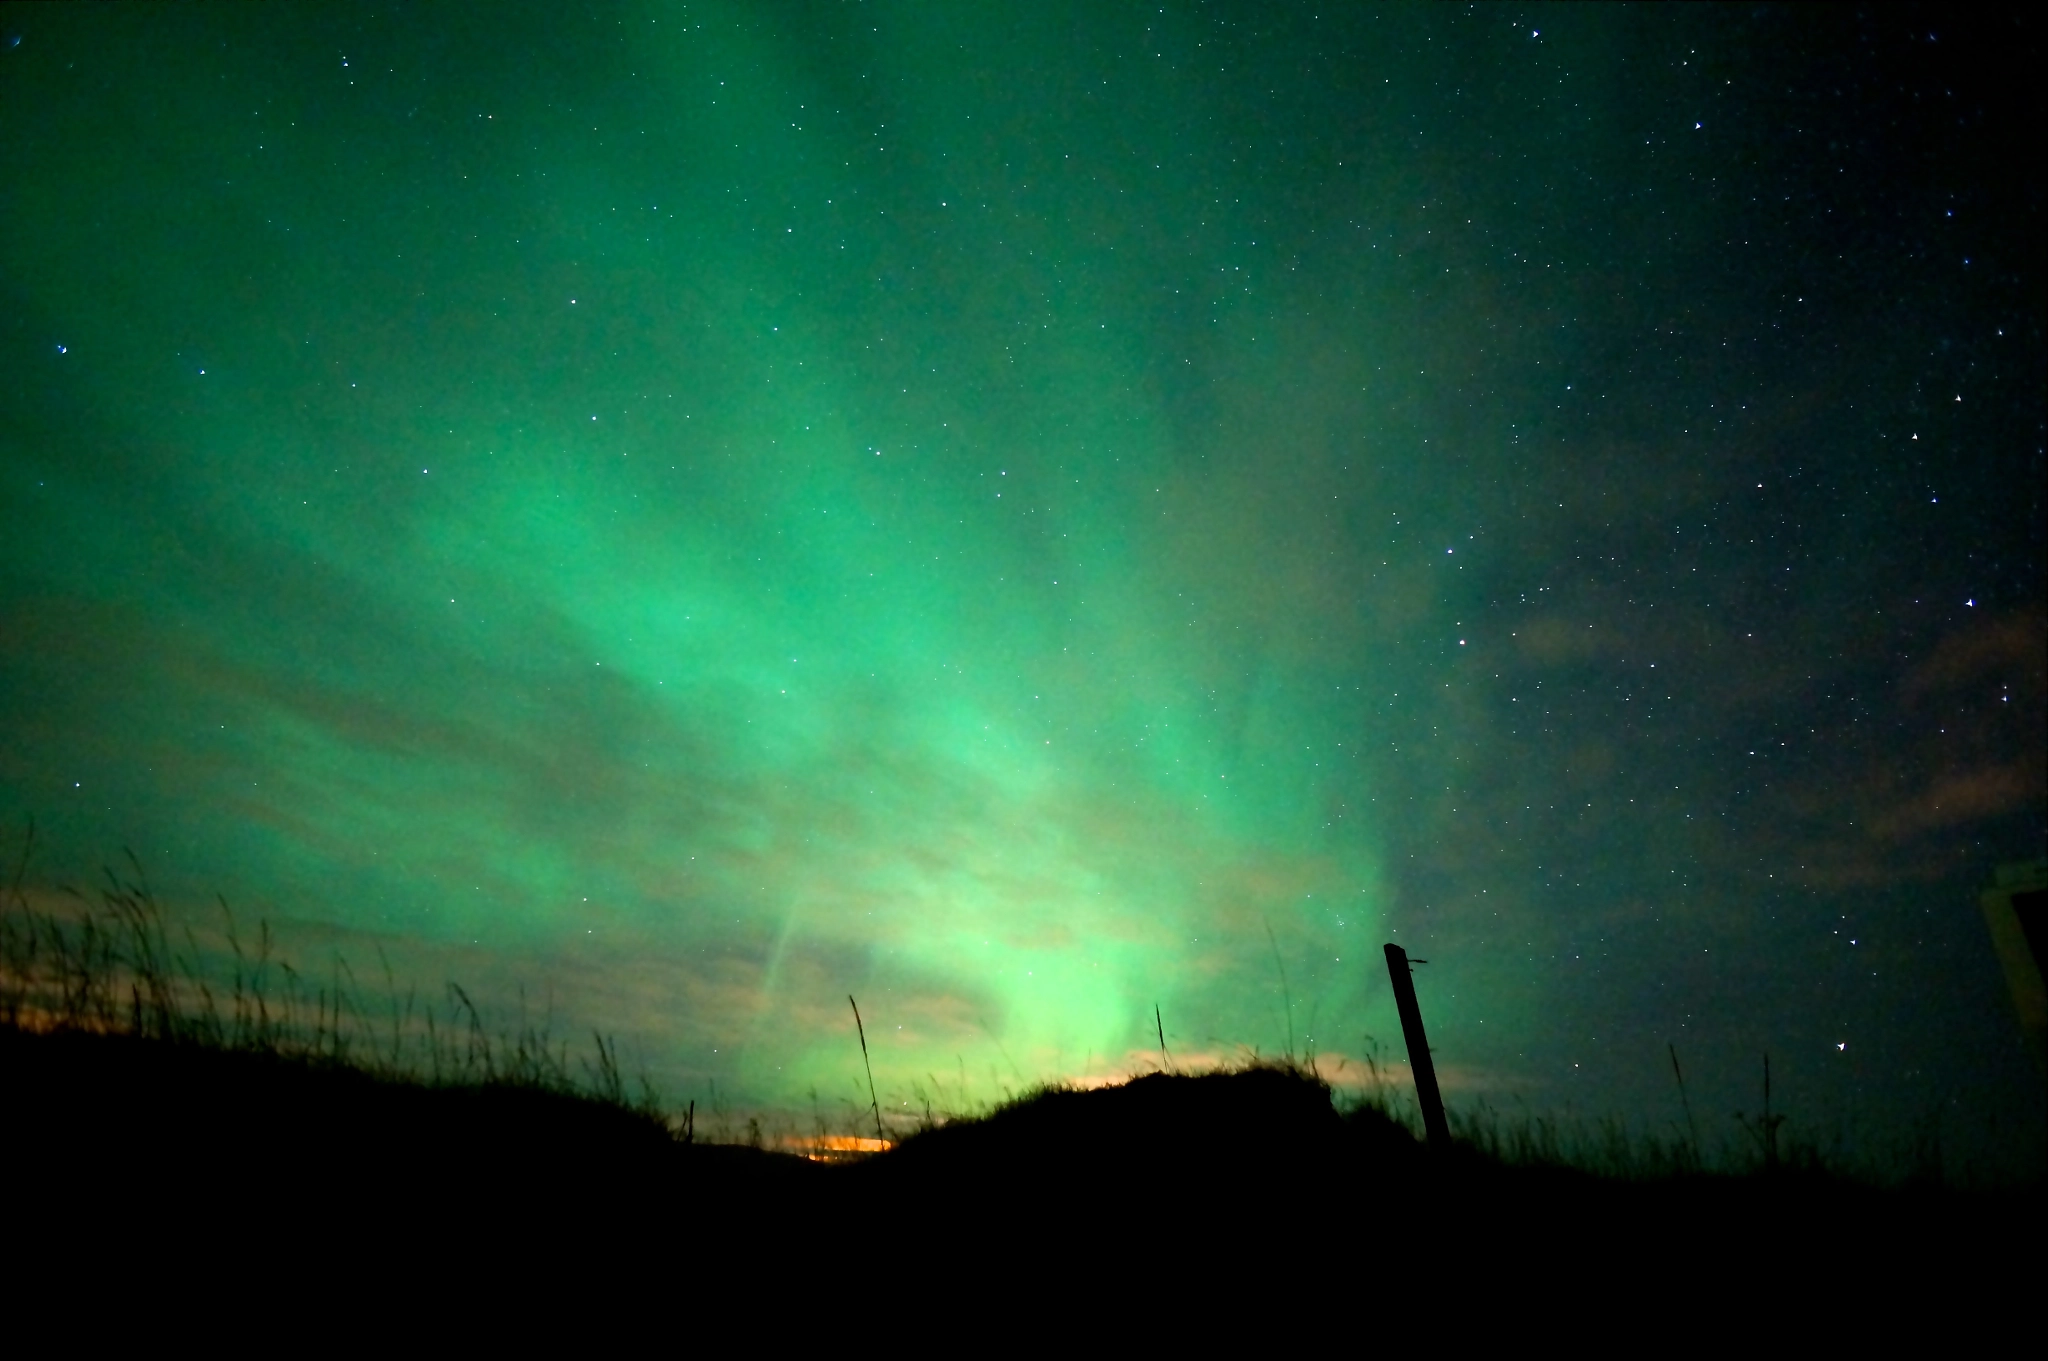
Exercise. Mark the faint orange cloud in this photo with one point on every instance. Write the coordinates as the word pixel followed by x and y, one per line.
pixel 2014 645
pixel 1968 747
pixel 1957 798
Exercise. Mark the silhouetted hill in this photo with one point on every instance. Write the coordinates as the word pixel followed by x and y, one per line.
pixel 223 1144
pixel 1251 1178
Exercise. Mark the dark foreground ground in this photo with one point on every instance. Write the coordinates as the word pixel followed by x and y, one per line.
pixel 133 1161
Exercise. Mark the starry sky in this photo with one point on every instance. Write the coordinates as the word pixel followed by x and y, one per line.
pixel 1028 513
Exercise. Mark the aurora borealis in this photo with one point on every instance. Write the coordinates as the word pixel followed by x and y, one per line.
pixel 1026 513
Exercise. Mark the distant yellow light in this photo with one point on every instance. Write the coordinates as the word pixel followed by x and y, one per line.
pixel 833 1147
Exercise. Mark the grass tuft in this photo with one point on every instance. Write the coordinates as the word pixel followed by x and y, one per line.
pixel 109 965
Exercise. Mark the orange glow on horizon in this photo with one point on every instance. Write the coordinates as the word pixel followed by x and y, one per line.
pixel 825 1148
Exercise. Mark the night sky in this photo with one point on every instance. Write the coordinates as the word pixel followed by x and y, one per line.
pixel 1026 513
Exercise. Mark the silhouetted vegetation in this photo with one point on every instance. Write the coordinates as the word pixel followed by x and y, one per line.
pixel 148 1085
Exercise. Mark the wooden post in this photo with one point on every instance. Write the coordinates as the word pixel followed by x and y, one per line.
pixel 1419 1063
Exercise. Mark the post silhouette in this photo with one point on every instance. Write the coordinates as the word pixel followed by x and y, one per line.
pixel 1426 1094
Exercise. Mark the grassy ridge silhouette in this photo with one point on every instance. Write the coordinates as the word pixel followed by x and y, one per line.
pixel 145 1086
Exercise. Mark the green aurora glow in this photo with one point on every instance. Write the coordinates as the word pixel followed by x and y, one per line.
pixel 702 510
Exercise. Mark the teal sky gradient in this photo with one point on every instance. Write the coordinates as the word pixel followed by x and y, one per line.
pixel 701 510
